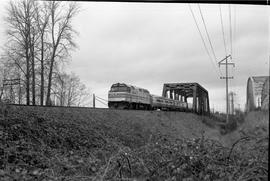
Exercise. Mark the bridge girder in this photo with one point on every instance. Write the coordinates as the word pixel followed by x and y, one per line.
pixel 186 90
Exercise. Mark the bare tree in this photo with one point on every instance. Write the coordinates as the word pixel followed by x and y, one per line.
pixel 40 38
pixel 3 75
pixel 60 87
pixel 9 82
pixel 69 90
pixel 61 36
pixel 19 19
pixel 33 36
pixel 42 19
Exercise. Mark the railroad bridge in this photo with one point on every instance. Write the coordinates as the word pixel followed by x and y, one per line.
pixel 183 91
pixel 257 93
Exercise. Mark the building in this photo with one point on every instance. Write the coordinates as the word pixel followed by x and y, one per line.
pixel 257 92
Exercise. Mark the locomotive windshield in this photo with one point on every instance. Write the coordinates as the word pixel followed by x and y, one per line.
pixel 119 88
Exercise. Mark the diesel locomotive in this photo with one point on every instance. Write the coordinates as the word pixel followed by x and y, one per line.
pixel 124 96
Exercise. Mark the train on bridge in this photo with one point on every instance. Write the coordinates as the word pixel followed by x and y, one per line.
pixel 124 96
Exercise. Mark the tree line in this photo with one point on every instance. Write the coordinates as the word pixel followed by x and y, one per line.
pixel 40 38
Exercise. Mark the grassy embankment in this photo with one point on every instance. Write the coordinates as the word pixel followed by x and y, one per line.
pixel 84 144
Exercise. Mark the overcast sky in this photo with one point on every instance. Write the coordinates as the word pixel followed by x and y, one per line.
pixel 149 44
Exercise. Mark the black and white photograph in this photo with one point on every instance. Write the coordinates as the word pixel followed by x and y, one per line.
pixel 134 90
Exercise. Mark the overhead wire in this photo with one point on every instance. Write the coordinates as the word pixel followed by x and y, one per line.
pixel 230 25
pixel 209 39
pixel 101 101
pixel 232 39
pixel 207 33
pixel 230 35
pixel 205 47
pixel 234 23
pixel 222 27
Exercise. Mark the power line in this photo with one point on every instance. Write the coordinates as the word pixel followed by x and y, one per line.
pixel 231 47
pixel 101 101
pixel 202 39
pixel 233 29
pixel 220 13
pixel 207 34
pixel 230 18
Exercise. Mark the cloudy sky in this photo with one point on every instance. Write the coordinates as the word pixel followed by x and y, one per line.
pixel 149 44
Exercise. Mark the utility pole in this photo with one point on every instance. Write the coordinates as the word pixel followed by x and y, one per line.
pixel 226 77
pixel 232 102
pixel 94 101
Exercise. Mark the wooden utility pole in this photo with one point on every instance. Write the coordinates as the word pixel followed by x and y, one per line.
pixel 232 102
pixel 94 101
pixel 226 77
